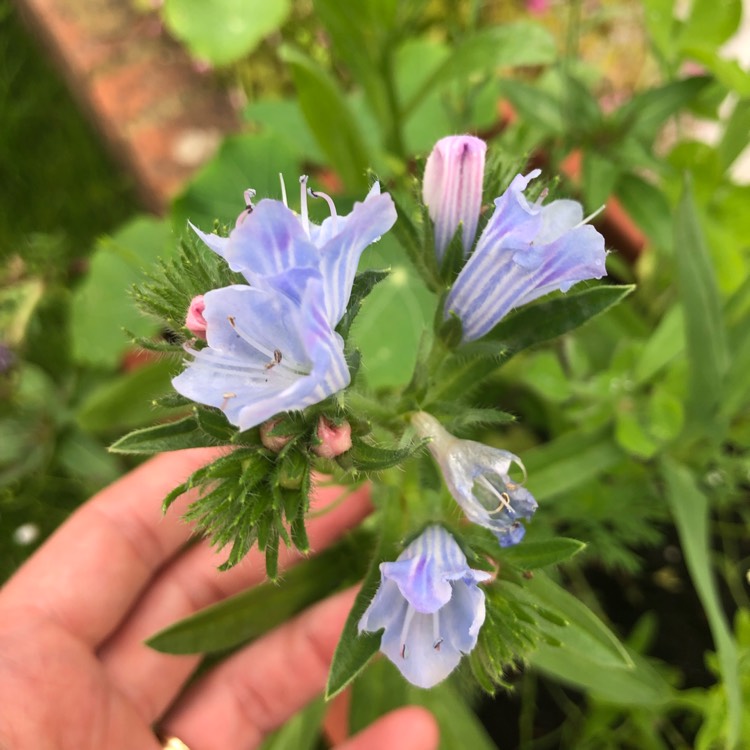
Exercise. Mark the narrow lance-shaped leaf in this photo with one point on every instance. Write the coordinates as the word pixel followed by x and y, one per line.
pixel 527 327
pixel 330 118
pixel 704 327
pixel 248 615
pixel 354 650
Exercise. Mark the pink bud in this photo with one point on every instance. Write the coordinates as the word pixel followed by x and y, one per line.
pixel 195 322
pixel 537 7
pixel 452 189
pixel 273 442
pixel 334 439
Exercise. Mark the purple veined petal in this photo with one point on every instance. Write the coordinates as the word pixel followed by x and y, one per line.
pixel 265 354
pixel 452 189
pixel 428 624
pixel 514 264
pixel 339 256
pixel 477 477
pixel 418 652
pixel 269 242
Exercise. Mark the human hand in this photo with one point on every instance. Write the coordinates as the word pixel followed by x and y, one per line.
pixel 75 673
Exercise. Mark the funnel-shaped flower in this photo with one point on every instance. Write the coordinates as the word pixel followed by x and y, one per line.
pixel 525 251
pixel 270 240
pixel 452 189
pixel 430 607
pixel 477 477
pixel 266 354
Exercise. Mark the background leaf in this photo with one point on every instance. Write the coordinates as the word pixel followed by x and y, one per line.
pixel 222 31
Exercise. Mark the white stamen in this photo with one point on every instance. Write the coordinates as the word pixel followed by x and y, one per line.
pixel 436 639
pixel 249 194
pixel 590 217
pixel 501 496
pixel 405 629
pixel 331 205
pixel 283 189
pixel 283 364
pixel 303 204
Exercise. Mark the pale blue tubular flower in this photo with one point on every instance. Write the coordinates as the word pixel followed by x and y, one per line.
pixel 525 251
pixel 452 189
pixel 270 240
pixel 267 353
pixel 477 477
pixel 430 607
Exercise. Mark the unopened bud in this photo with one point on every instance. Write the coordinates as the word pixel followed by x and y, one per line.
pixel 195 322
pixel 334 439
pixel 273 442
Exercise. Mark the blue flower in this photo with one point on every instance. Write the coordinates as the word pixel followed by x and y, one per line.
pixel 525 251
pixel 452 189
pixel 266 354
pixel 477 477
pixel 270 241
pixel 430 607
pixel 272 347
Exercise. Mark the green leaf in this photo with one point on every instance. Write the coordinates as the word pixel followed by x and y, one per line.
pixel 527 327
pixel 223 31
pixel 664 344
pixel 544 321
pixel 531 555
pixel 172 436
pixel 648 207
pixel 734 140
pixel 519 43
pixel 355 650
pixel 689 507
pixel 646 112
pixel 728 72
pixel 127 400
pixel 248 615
pixel 284 120
pixel 569 462
pixel 582 633
pixel 102 306
pixel 364 283
pixel 400 307
pixel 301 732
pixel 249 160
pixel 330 118
pixel 366 457
pixel 536 106
pixel 382 688
pixel 711 22
pixel 701 304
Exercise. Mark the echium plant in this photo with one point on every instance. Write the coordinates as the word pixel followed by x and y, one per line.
pixel 264 312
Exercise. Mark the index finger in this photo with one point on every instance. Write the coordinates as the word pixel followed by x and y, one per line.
pixel 109 549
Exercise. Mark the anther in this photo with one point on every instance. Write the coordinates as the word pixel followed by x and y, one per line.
pixel 437 644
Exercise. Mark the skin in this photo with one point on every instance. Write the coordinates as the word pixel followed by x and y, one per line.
pixel 75 674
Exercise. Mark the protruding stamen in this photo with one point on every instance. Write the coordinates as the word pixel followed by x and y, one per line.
pixel 436 639
pixel 303 204
pixel 503 497
pixel 226 397
pixel 249 194
pixel 405 629
pixel 331 205
pixel 283 189
pixel 590 217
pixel 542 196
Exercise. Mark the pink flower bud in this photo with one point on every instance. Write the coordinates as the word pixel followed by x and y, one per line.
pixel 195 322
pixel 452 189
pixel 537 7
pixel 273 442
pixel 334 439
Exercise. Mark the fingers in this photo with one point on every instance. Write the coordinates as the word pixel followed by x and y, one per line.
pixel 257 689
pixel 152 680
pixel 409 728
pixel 88 574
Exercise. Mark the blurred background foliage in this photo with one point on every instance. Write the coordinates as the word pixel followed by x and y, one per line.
pixel 635 429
